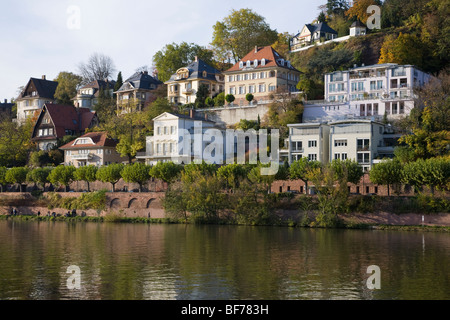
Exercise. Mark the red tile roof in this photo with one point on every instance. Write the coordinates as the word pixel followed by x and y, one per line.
pixel 272 57
pixel 100 139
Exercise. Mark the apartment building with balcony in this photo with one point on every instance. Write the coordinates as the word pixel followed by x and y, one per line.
pixel 183 85
pixel 367 92
pixel 34 96
pixel 94 148
pixel 308 140
pixel 262 72
pixel 364 141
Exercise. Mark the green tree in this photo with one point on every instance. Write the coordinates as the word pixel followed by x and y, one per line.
pixel 62 175
pixel 15 143
pixel 232 174
pixel 175 56
pixel 404 49
pixel 87 174
pixel 230 98
pixel 136 173
pixel 239 32
pixel 166 171
pixel 387 172
pixel 249 97
pixel 3 181
pixel 39 176
pixel 190 170
pixel 433 172
pixel 110 174
pixel 119 82
pixel 17 175
pixel 347 171
pixel 68 84
pixel 219 100
pixel 299 170
pixel 201 95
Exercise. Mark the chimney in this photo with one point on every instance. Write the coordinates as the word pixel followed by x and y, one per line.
pixel 196 58
pixel 192 113
pixel 44 77
pixel 256 49
pixel 6 100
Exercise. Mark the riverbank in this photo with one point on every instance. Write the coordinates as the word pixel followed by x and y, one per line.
pixel 361 212
pixel 348 222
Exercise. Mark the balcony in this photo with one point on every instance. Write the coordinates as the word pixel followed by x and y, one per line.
pixel 87 156
pixel 188 91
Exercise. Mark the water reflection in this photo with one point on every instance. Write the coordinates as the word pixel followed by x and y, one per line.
pixel 165 262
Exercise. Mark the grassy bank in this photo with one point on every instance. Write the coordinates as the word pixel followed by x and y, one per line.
pixel 287 223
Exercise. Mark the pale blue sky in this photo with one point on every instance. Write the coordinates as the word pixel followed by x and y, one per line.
pixel 36 39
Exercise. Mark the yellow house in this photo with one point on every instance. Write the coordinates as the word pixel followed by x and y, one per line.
pixel 183 85
pixel 262 72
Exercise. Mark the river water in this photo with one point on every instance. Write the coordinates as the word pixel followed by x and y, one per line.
pixel 165 262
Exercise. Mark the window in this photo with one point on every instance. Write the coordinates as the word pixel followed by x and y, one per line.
pixel 337 156
pixel 251 89
pixel 255 63
pixel 68 153
pixel 246 76
pixel 241 64
pixel 363 157
pixel 297 146
pixel 40 133
pixel 205 74
pixel 344 156
pixel 262 88
pixel 230 78
pixel 158 130
pixel 172 130
pixel 100 151
pixel 272 88
pixel 263 62
pixel 312 157
pixel 262 75
pixel 312 144
pixel 242 90
pixel 340 143
pixel 232 90
pixel 363 144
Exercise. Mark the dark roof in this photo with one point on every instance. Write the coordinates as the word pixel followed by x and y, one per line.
pixel 98 84
pixel 140 80
pixel 272 57
pixel 358 23
pixel 318 27
pixel 100 139
pixel 66 117
pixel 196 70
pixel 45 88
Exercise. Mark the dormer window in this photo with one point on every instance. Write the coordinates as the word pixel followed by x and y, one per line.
pixel 205 74
pixel 263 62
pixel 249 63
pixel 255 63
pixel 241 64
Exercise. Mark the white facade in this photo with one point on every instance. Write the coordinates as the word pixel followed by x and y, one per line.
pixel 168 130
pixel 309 140
pixel 364 141
pixel 367 92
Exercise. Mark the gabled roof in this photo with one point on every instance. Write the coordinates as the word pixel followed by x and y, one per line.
pixel 99 139
pixel 44 88
pixel 318 27
pixel 358 23
pixel 66 117
pixel 140 80
pixel 272 59
pixel 196 69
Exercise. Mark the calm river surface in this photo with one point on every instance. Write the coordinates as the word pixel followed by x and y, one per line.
pixel 164 262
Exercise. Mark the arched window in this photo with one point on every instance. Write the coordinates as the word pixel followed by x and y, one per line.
pixel 241 64
pixel 263 62
pixel 255 63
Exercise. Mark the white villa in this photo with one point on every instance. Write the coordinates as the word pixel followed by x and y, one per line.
pixel 168 129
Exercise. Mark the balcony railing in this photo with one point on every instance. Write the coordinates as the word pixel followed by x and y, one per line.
pixel 87 156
